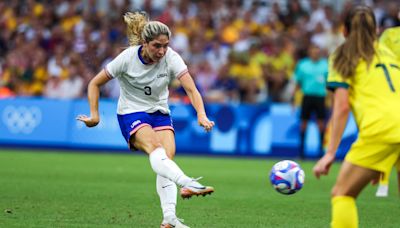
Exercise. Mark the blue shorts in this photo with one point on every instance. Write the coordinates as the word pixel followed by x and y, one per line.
pixel 132 122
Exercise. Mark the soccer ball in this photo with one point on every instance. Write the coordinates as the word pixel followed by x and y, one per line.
pixel 287 177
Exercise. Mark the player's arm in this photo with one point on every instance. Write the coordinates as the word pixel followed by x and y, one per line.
pixel 93 97
pixel 196 100
pixel 341 110
pixel 340 115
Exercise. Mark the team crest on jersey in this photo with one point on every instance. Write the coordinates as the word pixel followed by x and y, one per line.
pixel 162 75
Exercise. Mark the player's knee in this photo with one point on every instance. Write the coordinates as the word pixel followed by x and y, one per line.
pixel 148 145
pixel 152 144
pixel 334 191
pixel 342 191
pixel 337 191
pixel 155 144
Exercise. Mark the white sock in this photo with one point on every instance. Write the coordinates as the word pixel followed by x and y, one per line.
pixel 167 191
pixel 383 191
pixel 167 168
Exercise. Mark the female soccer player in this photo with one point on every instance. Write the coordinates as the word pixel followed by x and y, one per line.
pixel 144 71
pixel 364 76
pixel 390 38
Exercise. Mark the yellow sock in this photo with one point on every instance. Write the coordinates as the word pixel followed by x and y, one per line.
pixel 344 212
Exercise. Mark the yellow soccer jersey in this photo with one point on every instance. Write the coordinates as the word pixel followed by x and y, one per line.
pixel 391 38
pixel 374 94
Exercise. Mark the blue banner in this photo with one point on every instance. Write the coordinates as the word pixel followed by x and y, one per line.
pixel 34 121
pixel 106 135
pixel 268 130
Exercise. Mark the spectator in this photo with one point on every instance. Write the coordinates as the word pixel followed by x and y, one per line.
pixel 203 31
pixel 391 17
pixel 294 13
pixel 279 69
pixel 217 54
pixel 225 89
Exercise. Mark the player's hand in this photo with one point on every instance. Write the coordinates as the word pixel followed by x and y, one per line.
pixel 323 165
pixel 89 121
pixel 205 122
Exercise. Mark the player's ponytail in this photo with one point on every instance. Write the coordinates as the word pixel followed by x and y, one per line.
pixel 135 23
pixel 140 29
pixel 360 26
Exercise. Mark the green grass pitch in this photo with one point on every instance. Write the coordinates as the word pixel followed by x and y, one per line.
pixel 69 189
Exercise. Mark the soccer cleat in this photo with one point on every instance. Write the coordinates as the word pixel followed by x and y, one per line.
pixel 383 191
pixel 178 223
pixel 194 188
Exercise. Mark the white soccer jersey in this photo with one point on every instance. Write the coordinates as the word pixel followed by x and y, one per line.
pixel 144 87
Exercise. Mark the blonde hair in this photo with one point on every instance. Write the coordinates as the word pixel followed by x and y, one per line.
pixel 360 25
pixel 140 29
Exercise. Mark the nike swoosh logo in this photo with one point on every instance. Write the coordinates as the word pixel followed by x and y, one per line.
pixel 166 186
pixel 197 187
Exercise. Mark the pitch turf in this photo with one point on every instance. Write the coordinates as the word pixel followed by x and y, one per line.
pixel 69 189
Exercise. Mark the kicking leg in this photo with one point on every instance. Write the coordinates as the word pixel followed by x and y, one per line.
pixel 147 140
pixel 192 188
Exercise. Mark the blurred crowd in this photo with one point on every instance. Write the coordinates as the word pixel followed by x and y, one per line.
pixel 241 51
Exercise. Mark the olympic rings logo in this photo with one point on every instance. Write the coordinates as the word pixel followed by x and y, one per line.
pixel 21 119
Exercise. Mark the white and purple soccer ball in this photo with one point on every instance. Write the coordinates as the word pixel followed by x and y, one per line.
pixel 287 177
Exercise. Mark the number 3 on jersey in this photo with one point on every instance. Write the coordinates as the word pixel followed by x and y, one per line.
pixel 147 90
pixel 387 74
